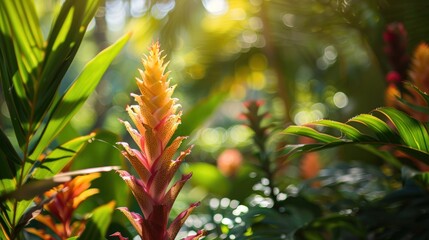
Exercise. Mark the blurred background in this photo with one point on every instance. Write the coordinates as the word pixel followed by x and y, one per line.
pixel 306 59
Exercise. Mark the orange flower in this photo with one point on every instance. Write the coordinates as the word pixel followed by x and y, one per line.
pixel 66 198
pixel 419 72
pixel 156 118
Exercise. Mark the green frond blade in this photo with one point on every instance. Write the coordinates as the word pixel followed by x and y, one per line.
pixel 412 132
pixel 345 129
pixel 62 44
pixel 311 133
pixel 76 95
pixel 383 132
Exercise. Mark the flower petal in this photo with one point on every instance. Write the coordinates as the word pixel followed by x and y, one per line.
pixel 135 219
pixel 160 180
pixel 152 146
pixel 137 160
pixel 135 135
pixel 137 188
pixel 171 195
pixel 168 153
pixel 175 226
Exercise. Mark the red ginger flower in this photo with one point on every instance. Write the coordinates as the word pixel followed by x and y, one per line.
pixel 66 198
pixel 156 118
pixel 396 41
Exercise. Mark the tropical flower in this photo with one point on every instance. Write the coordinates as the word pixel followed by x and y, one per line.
pixel 66 198
pixel 419 72
pixel 156 118
pixel 396 40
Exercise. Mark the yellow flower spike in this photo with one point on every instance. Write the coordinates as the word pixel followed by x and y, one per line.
pixel 156 118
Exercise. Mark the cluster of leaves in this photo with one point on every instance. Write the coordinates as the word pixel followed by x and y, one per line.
pixel 347 200
pixel 32 71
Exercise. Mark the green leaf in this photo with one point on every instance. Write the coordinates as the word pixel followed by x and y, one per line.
pixel 412 138
pixel 348 130
pixel 311 133
pixel 56 160
pixel 96 227
pixel 21 46
pixel 413 133
pixel 63 42
pixel 200 112
pixel 380 128
pixel 76 95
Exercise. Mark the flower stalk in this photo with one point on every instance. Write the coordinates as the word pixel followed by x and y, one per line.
pixel 156 118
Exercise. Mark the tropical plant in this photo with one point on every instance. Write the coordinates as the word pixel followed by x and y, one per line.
pixel 32 70
pixel 64 200
pixel 399 137
pixel 156 119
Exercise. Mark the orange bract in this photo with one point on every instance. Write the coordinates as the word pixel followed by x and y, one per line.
pixel 66 198
pixel 419 72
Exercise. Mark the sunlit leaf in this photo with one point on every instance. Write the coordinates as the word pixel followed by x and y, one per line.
pixel 412 138
pixel 21 48
pixel 56 160
pixel 311 133
pixel 63 42
pixel 76 95
pixel 349 131
pixel 376 125
pixel 413 133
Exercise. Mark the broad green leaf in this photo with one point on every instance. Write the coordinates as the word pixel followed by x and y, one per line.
pixel 21 48
pixel 56 160
pixel 199 113
pixel 76 95
pixel 413 133
pixel 412 138
pixel 27 37
pixel 63 42
pixel 348 130
pixel 311 133
pixel 380 128
pixel 96 227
